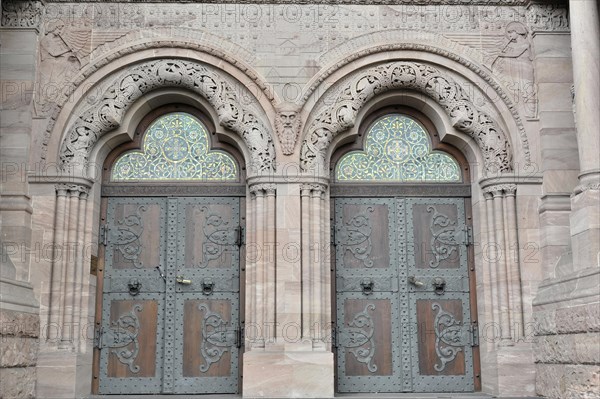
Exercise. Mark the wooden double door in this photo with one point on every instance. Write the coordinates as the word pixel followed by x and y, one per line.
pixel 170 313
pixel 404 317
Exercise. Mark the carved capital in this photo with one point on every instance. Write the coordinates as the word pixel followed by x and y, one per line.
pixel 263 189
pixel 21 14
pixel 313 189
pixel 72 190
pixel 501 190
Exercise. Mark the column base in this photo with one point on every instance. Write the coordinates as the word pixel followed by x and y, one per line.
pixel 288 374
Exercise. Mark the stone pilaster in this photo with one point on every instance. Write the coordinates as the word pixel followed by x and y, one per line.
pixel 19 310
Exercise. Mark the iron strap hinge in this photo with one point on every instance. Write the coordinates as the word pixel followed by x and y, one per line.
pixel 240 238
pixel 98 332
pixel 104 234
pixel 467 236
pixel 474 330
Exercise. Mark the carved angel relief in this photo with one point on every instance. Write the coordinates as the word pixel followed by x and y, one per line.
pixel 515 68
pixel 63 50
pixel 287 125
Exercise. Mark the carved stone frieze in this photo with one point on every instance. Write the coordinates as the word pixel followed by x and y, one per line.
pixel 70 189
pixel 21 14
pixel 362 86
pixel 548 17
pixel 287 126
pixel 107 112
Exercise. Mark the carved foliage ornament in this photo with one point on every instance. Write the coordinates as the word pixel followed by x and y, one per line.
pixel 107 113
pixel 21 14
pixel 365 85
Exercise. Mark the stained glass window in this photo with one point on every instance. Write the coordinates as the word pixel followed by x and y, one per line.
pixel 175 147
pixel 398 149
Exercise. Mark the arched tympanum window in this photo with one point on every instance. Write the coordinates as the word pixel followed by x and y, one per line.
pixel 397 148
pixel 175 146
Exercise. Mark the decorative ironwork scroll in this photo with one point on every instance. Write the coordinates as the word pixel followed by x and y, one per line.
pixel 121 334
pixel 176 147
pixel 397 148
pixel 444 240
pixel 359 337
pixel 219 237
pixel 355 236
pixel 216 338
pixel 448 336
pixel 127 236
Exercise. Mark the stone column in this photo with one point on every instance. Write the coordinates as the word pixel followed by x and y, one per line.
pixel 585 215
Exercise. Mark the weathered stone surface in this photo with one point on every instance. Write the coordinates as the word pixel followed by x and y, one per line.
pixel 17 382
pixel 18 351
pixel 20 324
pixel 568 348
pixel 568 381
pixel 544 322
pixel 580 318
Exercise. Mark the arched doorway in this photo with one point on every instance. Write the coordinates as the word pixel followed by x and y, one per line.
pixel 405 312
pixel 168 313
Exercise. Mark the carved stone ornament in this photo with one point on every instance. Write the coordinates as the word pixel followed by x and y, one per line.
pixel 287 126
pixel 358 2
pixel 509 189
pixel 514 65
pixel 107 113
pixel 21 14
pixel 361 87
pixel 552 17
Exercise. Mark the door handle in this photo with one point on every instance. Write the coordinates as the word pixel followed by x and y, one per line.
pixel 413 280
pixel 183 280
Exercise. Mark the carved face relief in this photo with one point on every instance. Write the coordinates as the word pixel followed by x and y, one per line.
pixel 287 124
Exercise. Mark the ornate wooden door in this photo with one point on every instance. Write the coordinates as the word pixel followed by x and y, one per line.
pixel 402 293
pixel 170 302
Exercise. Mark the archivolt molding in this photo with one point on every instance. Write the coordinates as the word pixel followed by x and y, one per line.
pixel 136 41
pixel 356 53
pixel 107 113
pixel 362 86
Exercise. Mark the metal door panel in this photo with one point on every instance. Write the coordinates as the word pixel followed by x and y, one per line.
pixel 426 281
pixel 208 256
pixel 368 354
pixel 157 292
pixel 209 336
pixel 439 295
pixel 130 340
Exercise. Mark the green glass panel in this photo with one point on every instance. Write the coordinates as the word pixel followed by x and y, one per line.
pixel 175 147
pixel 397 148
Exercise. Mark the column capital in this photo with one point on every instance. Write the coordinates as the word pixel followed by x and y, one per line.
pixel 72 190
pixel 501 189
pixel 263 189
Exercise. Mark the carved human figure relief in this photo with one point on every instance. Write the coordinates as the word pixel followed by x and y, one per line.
pixel 62 52
pixel 515 68
pixel 287 125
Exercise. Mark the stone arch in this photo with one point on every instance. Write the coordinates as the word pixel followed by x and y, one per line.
pixel 355 91
pixel 107 113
